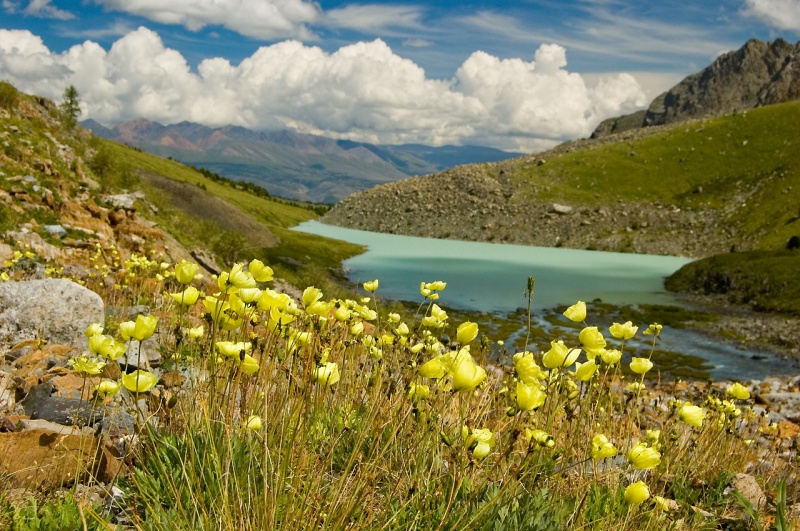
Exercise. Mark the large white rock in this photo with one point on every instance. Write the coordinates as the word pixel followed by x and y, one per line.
pixel 56 310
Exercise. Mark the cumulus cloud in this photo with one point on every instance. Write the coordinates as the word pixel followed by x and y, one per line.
pixel 362 92
pixel 263 19
pixel 781 14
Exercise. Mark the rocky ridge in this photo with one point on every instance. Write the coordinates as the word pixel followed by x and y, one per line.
pixel 755 75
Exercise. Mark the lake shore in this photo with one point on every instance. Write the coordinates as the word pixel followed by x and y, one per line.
pixel 748 328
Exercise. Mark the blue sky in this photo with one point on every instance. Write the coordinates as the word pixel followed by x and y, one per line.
pixel 511 74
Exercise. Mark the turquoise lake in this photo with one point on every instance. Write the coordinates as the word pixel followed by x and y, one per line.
pixel 492 278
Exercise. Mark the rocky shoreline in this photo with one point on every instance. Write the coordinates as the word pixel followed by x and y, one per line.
pixel 747 328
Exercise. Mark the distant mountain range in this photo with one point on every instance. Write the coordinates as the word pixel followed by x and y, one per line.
pixel 289 164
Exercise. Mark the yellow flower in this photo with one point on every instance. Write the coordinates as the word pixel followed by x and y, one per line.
pixel 4 277
pixel 636 387
pixel 692 415
pixel 87 365
pixel 418 392
pixel 623 331
pixel 530 396
pixel 196 332
pixel 738 391
pixel 249 295
pixel 95 343
pixel 585 371
pixel 185 272
pixel 320 308
pixel 126 329
pixel 602 447
pixel 144 327
pixel 466 332
pixel 541 438
pixel 636 493
pixel 651 437
pixel 249 365
pixel 428 289
pixel 592 340
pixel 357 328
pixel 393 317
pixel 326 373
pixel 661 502
pixel 311 295
pixel 653 329
pixel 239 278
pixel 186 297
pixel 643 457
pixel 559 355
pixel 233 350
pixel 576 312
pixel 111 349
pixel 402 330
pixel 139 381
pixel 260 272
pixel 106 388
pixel 253 422
pixel 480 442
pixel 342 314
pixel 466 374
pixel 610 357
pixel 93 329
pixel 641 365
pixel 527 369
pixel 371 286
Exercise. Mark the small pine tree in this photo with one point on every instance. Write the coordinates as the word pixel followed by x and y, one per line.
pixel 70 106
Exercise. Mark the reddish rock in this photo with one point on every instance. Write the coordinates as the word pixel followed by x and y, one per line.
pixel 72 384
pixel 43 459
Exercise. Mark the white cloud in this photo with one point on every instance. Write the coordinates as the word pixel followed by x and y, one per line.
pixel 263 19
pixel 417 43
pixel 363 91
pixel 781 14
pixel 37 8
pixel 43 9
pixel 373 19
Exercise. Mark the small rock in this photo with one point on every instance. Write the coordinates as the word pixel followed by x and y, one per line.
pixel 559 209
pixel 57 309
pixel 40 404
pixel 57 230
pixel 172 379
pixel 123 201
pixel 748 487
pixel 147 358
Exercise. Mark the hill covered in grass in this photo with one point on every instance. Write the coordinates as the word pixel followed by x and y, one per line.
pixel 64 191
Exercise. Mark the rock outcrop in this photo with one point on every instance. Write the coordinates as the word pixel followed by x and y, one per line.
pixel 54 310
pixel 755 75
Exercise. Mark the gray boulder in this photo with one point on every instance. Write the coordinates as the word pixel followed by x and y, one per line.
pixel 56 310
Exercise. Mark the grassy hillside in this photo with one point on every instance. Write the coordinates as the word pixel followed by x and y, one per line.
pixel 52 174
pixel 746 167
pixel 767 280
pixel 255 226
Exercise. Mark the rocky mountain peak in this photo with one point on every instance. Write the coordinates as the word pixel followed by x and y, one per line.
pixel 755 75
